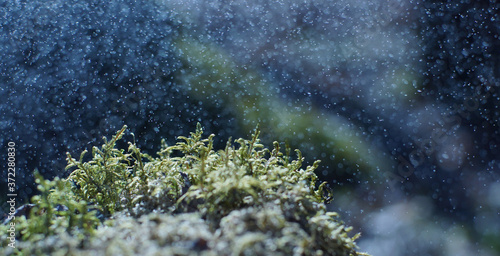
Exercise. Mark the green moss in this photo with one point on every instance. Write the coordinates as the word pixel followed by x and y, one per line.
pixel 102 180
pixel 56 210
pixel 247 200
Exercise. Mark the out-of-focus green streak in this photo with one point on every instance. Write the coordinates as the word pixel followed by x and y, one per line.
pixel 209 74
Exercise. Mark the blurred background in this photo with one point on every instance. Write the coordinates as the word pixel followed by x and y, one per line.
pixel 398 99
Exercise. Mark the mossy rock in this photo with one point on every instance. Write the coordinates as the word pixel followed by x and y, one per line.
pixel 189 200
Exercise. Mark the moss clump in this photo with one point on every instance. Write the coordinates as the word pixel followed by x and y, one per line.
pixel 190 199
pixel 55 210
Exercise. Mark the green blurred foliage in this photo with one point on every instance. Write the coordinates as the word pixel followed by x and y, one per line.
pixel 209 74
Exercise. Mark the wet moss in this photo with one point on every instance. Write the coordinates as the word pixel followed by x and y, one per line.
pixel 188 200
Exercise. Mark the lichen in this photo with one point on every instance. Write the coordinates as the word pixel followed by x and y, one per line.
pixel 189 200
